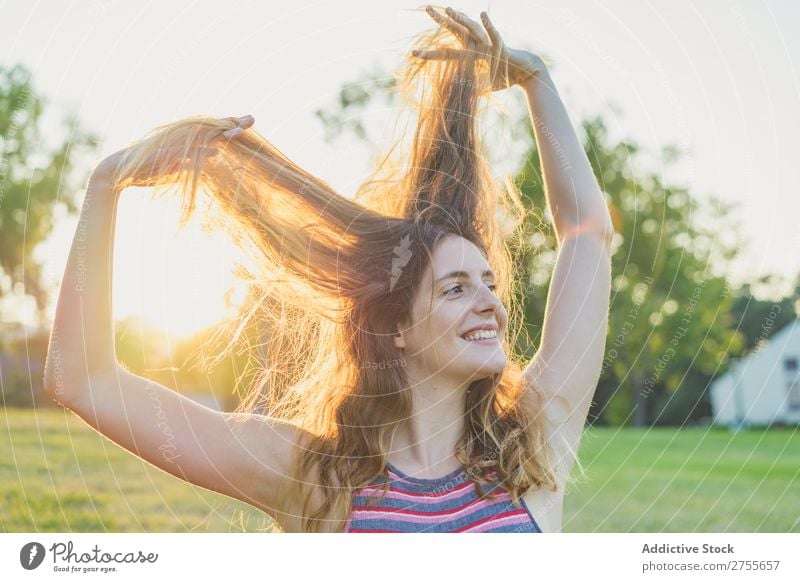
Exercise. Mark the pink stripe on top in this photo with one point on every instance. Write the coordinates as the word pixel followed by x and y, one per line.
pixel 445 504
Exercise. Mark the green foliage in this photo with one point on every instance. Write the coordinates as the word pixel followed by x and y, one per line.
pixel 187 365
pixel 758 319
pixel 669 324
pixel 353 99
pixel 22 370
pixel 32 181
pixel 184 365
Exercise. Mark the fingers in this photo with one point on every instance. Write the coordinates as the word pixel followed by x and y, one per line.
pixel 245 122
pixel 461 32
pixel 469 24
pixel 231 133
pixel 494 36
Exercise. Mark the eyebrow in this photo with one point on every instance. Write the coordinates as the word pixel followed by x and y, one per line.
pixel 459 274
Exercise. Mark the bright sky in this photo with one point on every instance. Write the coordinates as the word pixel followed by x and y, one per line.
pixel 717 78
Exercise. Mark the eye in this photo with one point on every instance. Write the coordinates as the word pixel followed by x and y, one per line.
pixel 491 286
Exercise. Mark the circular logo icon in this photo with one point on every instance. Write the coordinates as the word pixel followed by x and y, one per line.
pixel 31 555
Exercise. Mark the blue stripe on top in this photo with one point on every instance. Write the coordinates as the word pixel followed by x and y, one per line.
pixel 444 504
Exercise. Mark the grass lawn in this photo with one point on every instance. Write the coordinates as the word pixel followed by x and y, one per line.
pixel 58 475
pixel 686 480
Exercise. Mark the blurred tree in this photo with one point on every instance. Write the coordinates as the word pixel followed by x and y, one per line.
pixel 188 365
pixel 354 99
pixel 22 370
pixel 757 319
pixel 671 327
pixel 32 181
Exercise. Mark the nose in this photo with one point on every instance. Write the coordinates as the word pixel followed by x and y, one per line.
pixel 486 300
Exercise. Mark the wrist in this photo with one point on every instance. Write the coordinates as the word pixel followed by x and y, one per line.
pixel 534 82
pixel 99 181
pixel 101 197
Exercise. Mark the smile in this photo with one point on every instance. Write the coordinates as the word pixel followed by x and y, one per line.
pixel 486 336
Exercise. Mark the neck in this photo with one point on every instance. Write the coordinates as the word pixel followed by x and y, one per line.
pixel 427 440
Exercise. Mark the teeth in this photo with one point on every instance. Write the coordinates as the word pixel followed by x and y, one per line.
pixel 482 334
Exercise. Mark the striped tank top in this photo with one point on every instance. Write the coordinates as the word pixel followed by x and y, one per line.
pixel 444 504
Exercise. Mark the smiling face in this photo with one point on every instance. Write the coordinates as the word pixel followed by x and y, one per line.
pixel 455 296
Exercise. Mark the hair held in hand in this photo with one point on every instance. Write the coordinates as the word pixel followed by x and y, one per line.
pixel 327 288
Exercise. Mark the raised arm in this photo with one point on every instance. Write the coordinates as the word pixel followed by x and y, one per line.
pixel 573 194
pixel 242 456
pixel 568 362
pixel 569 359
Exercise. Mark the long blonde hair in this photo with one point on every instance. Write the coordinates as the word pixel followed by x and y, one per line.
pixel 331 277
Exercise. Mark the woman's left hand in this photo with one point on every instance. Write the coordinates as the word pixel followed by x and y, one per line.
pixel 508 66
pixel 161 162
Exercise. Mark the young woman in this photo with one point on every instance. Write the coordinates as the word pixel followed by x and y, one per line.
pixel 393 399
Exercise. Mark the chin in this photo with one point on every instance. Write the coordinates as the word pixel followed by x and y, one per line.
pixel 491 367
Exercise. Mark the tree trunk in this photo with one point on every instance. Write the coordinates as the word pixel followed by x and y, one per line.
pixel 640 417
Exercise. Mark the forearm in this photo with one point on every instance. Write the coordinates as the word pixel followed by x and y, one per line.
pixel 82 337
pixel 573 193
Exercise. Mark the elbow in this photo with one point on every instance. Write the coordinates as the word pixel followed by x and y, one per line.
pixel 604 226
pixel 598 226
pixel 68 373
pixel 607 235
pixel 54 379
pixel 611 220
pixel 58 387
pixel 66 387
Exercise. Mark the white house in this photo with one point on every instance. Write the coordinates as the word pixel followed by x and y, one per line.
pixel 763 387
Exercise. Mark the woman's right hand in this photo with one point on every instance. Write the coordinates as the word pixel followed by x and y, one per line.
pixel 159 164
pixel 508 67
